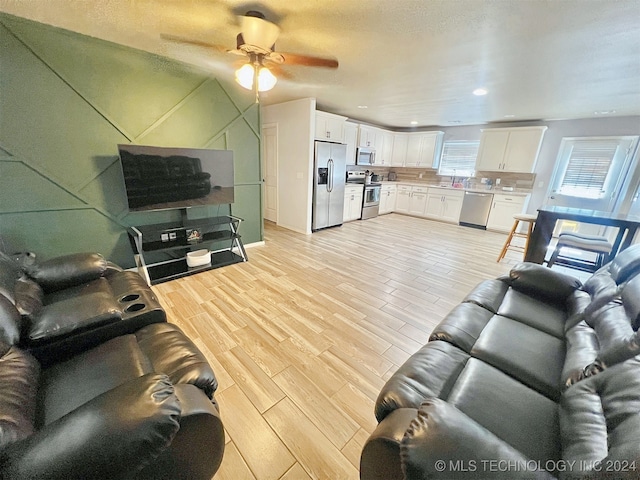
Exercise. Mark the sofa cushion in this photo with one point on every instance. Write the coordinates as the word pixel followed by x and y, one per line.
pixel 488 294
pixel 595 413
pixel 72 315
pixel 67 385
pixel 529 355
pixel 10 322
pixel 429 373
pixel 68 270
pixel 542 283
pixel 462 326
pixel 631 299
pixel 533 312
pixel 582 348
pixel 172 353
pixel 625 265
pixel 525 419
pixel 19 373
pixel 28 297
pixel 611 324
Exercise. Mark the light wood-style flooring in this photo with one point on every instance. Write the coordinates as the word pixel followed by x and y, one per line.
pixel 304 335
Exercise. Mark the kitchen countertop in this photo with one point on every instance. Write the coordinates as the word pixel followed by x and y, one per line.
pixel 516 192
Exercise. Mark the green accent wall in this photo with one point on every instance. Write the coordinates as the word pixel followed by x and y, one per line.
pixel 67 100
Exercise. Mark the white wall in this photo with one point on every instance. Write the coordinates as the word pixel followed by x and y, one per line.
pixel 557 129
pixel 296 125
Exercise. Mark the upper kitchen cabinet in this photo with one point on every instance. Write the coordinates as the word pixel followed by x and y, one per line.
pixel 509 149
pixel 399 150
pixel 384 153
pixel 367 136
pixel 423 149
pixel 351 140
pixel 330 127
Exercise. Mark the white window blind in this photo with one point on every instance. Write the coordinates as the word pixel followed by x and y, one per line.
pixel 459 158
pixel 588 167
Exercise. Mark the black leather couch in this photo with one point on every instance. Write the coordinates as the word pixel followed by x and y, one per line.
pixel 533 375
pixel 73 302
pixel 123 396
pixel 154 179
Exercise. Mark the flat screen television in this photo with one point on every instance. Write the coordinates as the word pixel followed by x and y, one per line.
pixel 160 178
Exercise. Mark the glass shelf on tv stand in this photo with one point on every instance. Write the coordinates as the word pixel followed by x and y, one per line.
pixel 174 237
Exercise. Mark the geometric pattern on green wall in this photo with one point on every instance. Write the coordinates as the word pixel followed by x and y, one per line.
pixel 68 100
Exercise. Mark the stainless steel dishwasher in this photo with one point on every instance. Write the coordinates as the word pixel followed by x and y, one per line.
pixel 475 209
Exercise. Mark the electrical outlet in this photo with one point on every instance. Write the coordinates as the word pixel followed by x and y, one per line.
pixel 420 176
pixel 540 184
pixel 497 181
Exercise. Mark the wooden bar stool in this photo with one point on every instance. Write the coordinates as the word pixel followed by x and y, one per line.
pixel 596 244
pixel 519 217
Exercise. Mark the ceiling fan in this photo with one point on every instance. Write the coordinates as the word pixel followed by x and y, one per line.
pixel 257 42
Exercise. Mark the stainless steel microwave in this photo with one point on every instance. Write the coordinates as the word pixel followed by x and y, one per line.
pixel 365 156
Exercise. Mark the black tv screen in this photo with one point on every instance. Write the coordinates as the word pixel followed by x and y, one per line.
pixel 159 178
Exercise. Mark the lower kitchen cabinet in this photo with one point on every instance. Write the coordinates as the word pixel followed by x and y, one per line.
pixel 388 198
pixel 403 197
pixel 418 201
pixel 353 196
pixel 503 208
pixel 444 204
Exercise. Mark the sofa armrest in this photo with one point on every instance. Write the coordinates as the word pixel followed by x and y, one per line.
pixel 112 436
pixel 443 442
pixel 542 282
pixel 69 270
pixel 197 449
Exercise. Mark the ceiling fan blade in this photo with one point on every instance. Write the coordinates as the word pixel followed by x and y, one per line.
pixel 293 59
pixel 189 41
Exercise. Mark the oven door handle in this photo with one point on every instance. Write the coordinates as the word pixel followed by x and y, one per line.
pixel 330 182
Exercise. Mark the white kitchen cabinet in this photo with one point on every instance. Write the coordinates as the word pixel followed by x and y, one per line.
pixel 384 153
pixel 351 140
pixel 387 198
pixel 430 147
pixel 353 196
pixel 367 136
pixel 399 150
pixel 509 149
pixel 503 208
pixel 329 127
pixel 444 204
pixel 414 142
pixel 418 201
pixel 403 198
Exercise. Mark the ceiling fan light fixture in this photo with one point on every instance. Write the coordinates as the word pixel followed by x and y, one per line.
pixel 266 79
pixel 244 76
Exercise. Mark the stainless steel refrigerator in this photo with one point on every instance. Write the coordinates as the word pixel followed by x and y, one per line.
pixel 329 176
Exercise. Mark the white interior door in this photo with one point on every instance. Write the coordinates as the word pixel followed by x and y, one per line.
pixel 270 172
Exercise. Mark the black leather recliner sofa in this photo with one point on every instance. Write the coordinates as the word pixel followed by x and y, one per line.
pixel 112 394
pixel 533 375
pixel 154 179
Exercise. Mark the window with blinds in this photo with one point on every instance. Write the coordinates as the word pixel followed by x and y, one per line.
pixel 588 167
pixel 459 158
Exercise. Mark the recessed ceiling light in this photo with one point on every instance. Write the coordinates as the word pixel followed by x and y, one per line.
pixel 454 121
pixel 413 122
pixel 480 91
pixel 509 116
pixel 362 106
pixel 605 112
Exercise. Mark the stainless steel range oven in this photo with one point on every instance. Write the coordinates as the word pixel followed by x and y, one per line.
pixel 371 201
pixel 371 198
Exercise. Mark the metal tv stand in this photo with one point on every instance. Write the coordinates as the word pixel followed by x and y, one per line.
pixel 181 237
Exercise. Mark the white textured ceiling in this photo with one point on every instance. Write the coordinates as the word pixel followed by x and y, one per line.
pixel 407 60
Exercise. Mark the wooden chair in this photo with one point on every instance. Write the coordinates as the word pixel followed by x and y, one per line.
pixel 596 244
pixel 519 217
